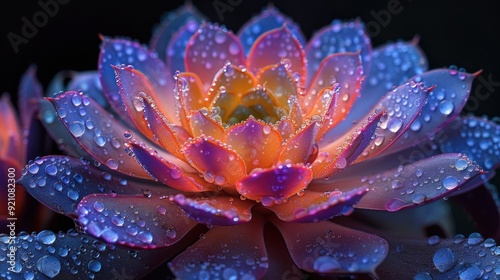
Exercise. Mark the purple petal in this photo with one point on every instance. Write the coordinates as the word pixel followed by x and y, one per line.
pixel 275 46
pixel 216 211
pixel 135 221
pixel 221 45
pixel 169 173
pixel 471 257
pixel 313 206
pixel 121 51
pixel 30 94
pixel 75 256
pixel 270 186
pixel 60 182
pixel 89 83
pixel 444 104
pixel 97 132
pixel 270 18
pixel 176 48
pixel 410 185
pixel 338 37
pixel 403 105
pixel 325 247
pixel 232 252
pixel 170 24
pixel 58 132
pixel 392 65
pixel 477 138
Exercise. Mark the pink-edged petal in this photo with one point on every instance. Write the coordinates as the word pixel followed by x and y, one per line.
pixel 344 69
pixel 392 65
pixel 299 147
pixel 169 136
pixel 209 50
pixel 255 141
pixel 58 132
pixel 460 257
pixel 280 82
pixel 270 18
pixel 339 154
pixel 215 161
pixel 201 123
pixel 10 139
pixel 89 83
pixel 133 87
pixel 410 185
pixel 216 211
pixel 231 251
pixel 96 131
pixel 476 137
pixel 270 186
pixel 325 247
pixel 190 96
pixel 339 37
pixel 164 34
pixel 232 80
pixel 135 221
pixel 444 104
pixel 403 104
pixel 168 173
pixel 30 94
pixel 275 46
pixel 313 206
pixel 121 51
pixel 60 182
pixel 176 48
pixel 72 255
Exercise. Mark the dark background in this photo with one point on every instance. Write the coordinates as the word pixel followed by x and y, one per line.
pixel 462 33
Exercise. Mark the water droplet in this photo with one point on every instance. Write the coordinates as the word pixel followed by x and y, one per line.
pixel 475 238
pixel 433 240
pixel 100 141
pixel 446 107
pixel 77 128
pixel 418 172
pixel 51 169
pixel 461 164
pixel 46 237
pixel 94 266
pixel 145 236
pixel 444 259
pixel 112 164
pixel 341 163
pixel 33 168
pixel 450 182
pixel 326 264
pixel 471 273
pixel 395 124
pixel 422 276
pixel 396 184
pixel 98 206
pixel 48 266
pixel 76 100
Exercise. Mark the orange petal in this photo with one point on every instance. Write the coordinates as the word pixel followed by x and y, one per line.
pixel 326 106
pixel 286 128
pixel 235 80
pixel 280 82
pixel 255 141
pixel 162 132
pixel 300 146
pixel 10 138
pixel 274 46
pixel 209 50
pixel 339 154
pixel 189 95
pixel 272 185
pixel 202 124
pixel 217 162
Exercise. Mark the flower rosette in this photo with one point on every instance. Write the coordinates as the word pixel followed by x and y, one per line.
pixel 258 140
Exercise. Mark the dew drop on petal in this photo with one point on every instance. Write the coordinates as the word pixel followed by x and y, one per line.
pixel 450 182
pixel 326 264
pixel 77 128
pixel 94 266
pixel 444 259
pixel 446 107
pixel 46 237
pixel 461 164
pixel 48 266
